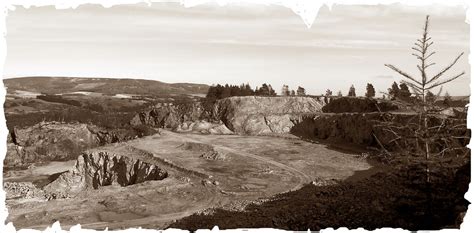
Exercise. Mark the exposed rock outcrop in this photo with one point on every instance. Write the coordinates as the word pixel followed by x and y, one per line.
pixel 48 141
pixel 103 167
pixel 256 115
pixel 169 115
pixel 187 117
pixel 204 127
pixel 253 115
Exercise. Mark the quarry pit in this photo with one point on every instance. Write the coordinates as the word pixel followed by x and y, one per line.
pixel 203 172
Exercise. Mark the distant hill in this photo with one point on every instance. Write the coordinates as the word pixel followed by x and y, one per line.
pixel 108 86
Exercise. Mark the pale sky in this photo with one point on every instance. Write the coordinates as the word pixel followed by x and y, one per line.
pixel 234 44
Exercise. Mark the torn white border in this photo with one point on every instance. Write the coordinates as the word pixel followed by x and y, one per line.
pixel 306 9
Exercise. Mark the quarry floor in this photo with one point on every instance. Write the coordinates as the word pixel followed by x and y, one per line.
pixel 249 168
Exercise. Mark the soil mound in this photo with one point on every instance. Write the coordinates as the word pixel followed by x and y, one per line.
pixel 208 151
pixel 361 129
pixel 196 146
pixel 356 104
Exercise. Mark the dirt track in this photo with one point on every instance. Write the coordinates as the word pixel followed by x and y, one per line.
pixel 303 178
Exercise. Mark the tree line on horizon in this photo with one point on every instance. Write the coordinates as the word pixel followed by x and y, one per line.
pixel 223 91
pixel 396 91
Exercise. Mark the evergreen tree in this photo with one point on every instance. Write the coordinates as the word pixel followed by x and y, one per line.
pixel 285 90
pixel 219 90
pixel 430 97
pixel 328 92
pixel 447 100
pixel 424 134
pixel 404 92
pixel 226 92
pixel 263 90
pixel 212 92
pixel 271 91
pixel 370 91
pixel 234 91
pixel 300 91
pixel 352 91
pixel 394 92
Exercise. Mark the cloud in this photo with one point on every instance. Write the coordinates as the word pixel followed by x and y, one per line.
pixel 384 76
pixel 318 43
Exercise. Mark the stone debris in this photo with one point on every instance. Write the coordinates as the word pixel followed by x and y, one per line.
pixel 208 151
pixel 26 190
pixel 213 155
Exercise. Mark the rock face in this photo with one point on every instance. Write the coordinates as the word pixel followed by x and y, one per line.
pixel 188 117
pixel 105 167
pixel 256 115
pixel 169 115
pixel 57 141
pixel 49 141
pixel 204 127
pixel 252 115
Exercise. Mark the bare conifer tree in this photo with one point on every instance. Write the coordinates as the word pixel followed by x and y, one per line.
pixel 421 87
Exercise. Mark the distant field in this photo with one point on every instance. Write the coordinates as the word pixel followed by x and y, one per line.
pixel 107 86
pixel 101 101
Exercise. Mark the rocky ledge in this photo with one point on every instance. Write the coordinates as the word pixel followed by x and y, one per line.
pixel 119 166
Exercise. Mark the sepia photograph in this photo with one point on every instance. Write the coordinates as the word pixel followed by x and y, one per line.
pixel 162 115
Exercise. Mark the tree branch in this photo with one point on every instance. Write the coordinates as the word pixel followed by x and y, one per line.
pixel 402 73
pixel 445 69
pixel 445 81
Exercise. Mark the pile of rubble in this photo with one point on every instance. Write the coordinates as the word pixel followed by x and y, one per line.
pixel 25 190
